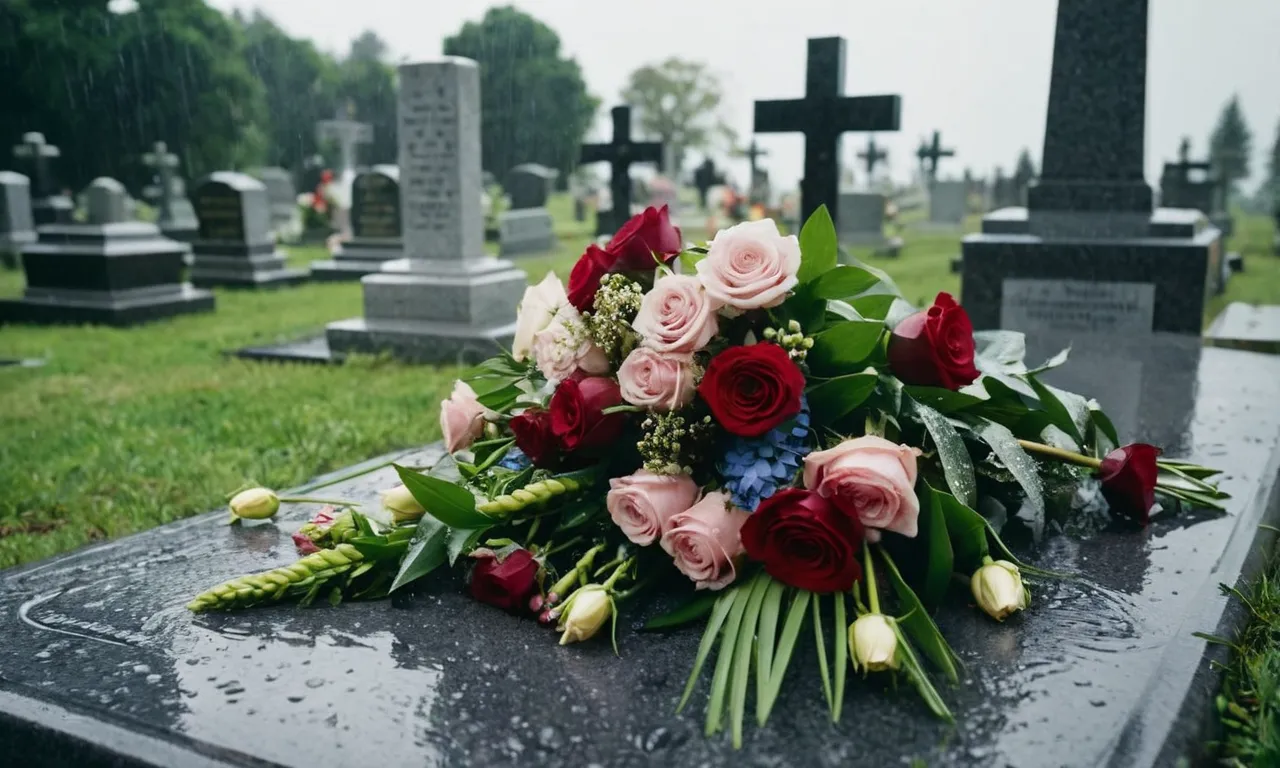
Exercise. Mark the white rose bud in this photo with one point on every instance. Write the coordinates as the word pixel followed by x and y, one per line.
pixel 585 613
pixel 255 504
pixel 401 504
pixel 998 588
pixel 873 644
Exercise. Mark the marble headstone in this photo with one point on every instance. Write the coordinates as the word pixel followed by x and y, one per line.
pixel 235 246
pixel 447 300
pixel 282 196
pixel 16 226
pixel 109 271
pixel 375 227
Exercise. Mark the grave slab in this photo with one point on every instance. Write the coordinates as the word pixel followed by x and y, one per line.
pixel 102 664
pixel 1246 326
pixel 525 231
pixel 309 349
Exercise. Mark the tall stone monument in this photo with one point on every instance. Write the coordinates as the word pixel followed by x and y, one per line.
pixel 235 246
pixel 108 271
pixel 348 134
pixel 447 301
pixel 48 204
pixel 16 227
pixel 375 228
pixel 1089 253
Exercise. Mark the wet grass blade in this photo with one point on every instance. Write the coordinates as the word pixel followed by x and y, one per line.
pixel 718 615
pixel 742 658
pixel 821 645
pixel 786 645
pixel 766 641
pixel 841 654
pixel 724 661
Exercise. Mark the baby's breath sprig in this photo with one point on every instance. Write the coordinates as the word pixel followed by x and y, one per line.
pixel 673 443
pixel 609 325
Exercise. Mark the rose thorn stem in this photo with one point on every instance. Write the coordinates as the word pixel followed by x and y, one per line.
pixel 870 570
pixel 1060 454
pixel 313 500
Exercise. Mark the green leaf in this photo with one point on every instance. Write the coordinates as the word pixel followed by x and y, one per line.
pixel 426 552
pixel 724 660
pixel 957 466
pixel 1020 465
pixel 836 397
pixel 943 400
pixel 805 308
pixel 918 677
pixel 1056 408
pixel 766 637
pixel 691 610
pixel 1102 423
pixel 820 643
pixel 842 310
pixel 843 348
pixel 462 541
pixel 1000 351
pixel 919 624
pixel 842 282
pixel 967 529
pixel 818 245
pixel 875 306
pixel 841 654
pixel 502 398
pixel 378 548
pixel 448 502
pixel 786 646
pixel 709 636
pixel 941 559
pixel 742 657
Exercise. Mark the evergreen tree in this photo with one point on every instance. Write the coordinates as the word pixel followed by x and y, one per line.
pixel 1231 143
pixel 1024 172
pixel 1273 171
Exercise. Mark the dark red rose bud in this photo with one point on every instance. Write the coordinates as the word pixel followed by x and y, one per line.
pixel 934 347
pixel 804 541
pixel 584 280
pixel 752 389
pixel 647 236
pixel 504 580
pixel 1129 481
pixel 534 436
pixel 577 417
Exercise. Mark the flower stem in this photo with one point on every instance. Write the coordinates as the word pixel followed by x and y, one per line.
pixel 618 573
pixel 870 570
pixel 622 409
pixel 562 546
pixel 313 500
pixel 1059 454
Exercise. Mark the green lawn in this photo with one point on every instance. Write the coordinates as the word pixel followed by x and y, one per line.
pixel 123 430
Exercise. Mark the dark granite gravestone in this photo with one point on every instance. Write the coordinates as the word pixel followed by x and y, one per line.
pixel 109 271
pixel 930 154
pixel 620 154
pixel 1089 253
pixel 16 226
pixel 823 115
pixel 375 228
pixel 234 246
pixel 527 228
pixel 529 185
pixel 48 204
pixel 102 664
pixel 1195 185
pixel 705 176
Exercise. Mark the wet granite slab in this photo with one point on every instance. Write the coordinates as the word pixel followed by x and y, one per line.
pixel 1246 326
pixel 308 349
pixel 99 660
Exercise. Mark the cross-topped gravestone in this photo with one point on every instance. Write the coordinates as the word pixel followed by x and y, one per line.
pixel 759 177
pixel 930 153
pixel 823 115
pixel 48 204
pixel 163 162
pixel 705 176
pixel 871 156
pixel 620 154
pixel 348 134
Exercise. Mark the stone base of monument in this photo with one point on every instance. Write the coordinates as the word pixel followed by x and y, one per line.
pixel 525 231
pixel 102 664
pixel 432 312
pixel 183 234
pixel 1246 326
pixel 117 274
pixel 11 245
pixel 358 257
pixel 57 209
pixel 1155 273
pixel 241 266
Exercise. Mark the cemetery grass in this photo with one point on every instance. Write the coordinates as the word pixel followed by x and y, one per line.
pixel 122 430
pixel 1249 706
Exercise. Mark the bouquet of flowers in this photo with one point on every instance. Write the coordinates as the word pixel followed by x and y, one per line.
pixel 781 433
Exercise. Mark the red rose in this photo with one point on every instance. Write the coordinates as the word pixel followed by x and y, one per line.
pixel 506 581
pixel 934 347
pixel 646 235
pixel 752 389
pixel 584 280
pixel 534 436
pixel 1129 480
pixel 577 417
pixel 804 541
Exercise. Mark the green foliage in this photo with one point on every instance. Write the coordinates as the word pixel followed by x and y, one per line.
pixel 534 103
pixel 818 246
pixel 367 90
pixel 677 102
pixel 1231 143
pixel 1025 170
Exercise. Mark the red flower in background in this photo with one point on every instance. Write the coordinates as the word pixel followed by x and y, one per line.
pixel 577 413
pixel 506 581
pixel 804 541
pixel 584 280
pixel 1129 480
pixel 934 347
pixel 752 389
pixel 647 236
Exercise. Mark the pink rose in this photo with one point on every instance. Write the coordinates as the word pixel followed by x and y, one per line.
pixel 750 265
pixel 651 379
pixel 564 347
pixel 643 504
pixel 677 316
pixel 704 541
pixel 871 479
pixel 461 418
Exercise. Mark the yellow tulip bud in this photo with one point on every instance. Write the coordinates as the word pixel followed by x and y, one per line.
pixel 998 589
pixel 873 644
pixel 403 507
pixel 255 504
pixel 585 613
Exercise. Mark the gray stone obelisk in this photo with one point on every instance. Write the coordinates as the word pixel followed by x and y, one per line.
pixel 447 300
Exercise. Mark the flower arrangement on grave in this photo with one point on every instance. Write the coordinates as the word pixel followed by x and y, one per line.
pixel 783 434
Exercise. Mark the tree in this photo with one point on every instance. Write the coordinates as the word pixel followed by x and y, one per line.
pixel 368 47
pixel 1024 172
pixel 1273 172
pixel 1230 144
pixel 678 103
pixel 534 103
pixel 367 88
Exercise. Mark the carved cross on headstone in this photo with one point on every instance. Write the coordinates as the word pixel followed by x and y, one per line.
pixel 347 133
pixel 823 115
pixel 930 154
pixel 34 148
pixel 620 154
pixel 871 156
pixel 163 161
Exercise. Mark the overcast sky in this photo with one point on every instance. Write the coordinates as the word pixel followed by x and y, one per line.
pixel 978 70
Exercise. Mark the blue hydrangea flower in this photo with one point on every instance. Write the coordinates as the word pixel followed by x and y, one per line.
pixel 754 468
pixel 515 460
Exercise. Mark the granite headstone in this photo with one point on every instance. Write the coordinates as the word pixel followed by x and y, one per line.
pixel 375 227
pixel 48 204
pixel 235 246
pixel 282 197
pixel 529 185
pixel 526 227
pixel 619 154
pixel 862 223
pixel 16 226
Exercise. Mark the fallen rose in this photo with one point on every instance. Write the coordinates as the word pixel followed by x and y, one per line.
pixel 752 389
pixel 934 347
pixel 804 541
pixel 1128 477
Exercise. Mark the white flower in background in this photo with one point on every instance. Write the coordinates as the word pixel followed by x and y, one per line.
pixel 564 346
pixel 537 309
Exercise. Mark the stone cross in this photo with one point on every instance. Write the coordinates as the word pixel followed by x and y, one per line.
pixel 930 154
pixel 34 148
pixel 620 154
pixel 163 161
pixel 753 153
pixel 1096 121
pixel 347 133
pixel 107 201
pixel 822 116
pixel 872 156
